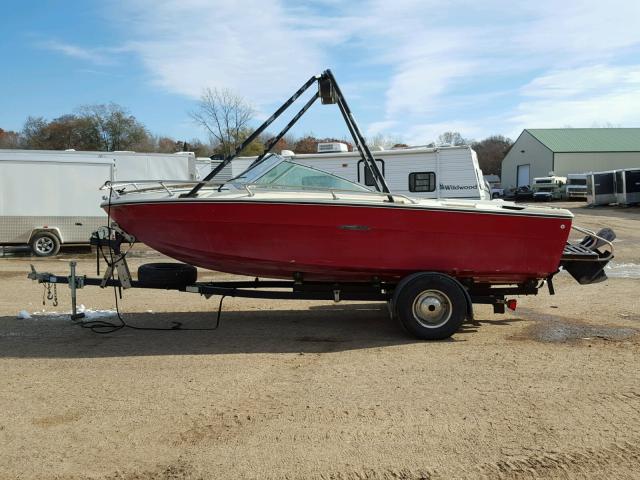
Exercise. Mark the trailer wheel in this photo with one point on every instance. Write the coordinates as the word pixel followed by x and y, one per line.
pixel 44 244
pixel 167 275
pixel 431 306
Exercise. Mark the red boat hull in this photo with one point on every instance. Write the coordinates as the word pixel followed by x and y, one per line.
pixel 328 242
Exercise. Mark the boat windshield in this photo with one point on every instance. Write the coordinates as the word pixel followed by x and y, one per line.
pixel 277 172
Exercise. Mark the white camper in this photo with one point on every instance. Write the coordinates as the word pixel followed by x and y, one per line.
pixel 549 188
pixel 576 185
pixel 443 172
pixel 49 198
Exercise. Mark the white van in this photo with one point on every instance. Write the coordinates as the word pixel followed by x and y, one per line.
pixel 576 185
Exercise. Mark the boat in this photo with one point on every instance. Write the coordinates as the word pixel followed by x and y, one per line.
pixel 285 220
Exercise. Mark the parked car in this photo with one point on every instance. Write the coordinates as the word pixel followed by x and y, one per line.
pixel 497 192
pixel 521 193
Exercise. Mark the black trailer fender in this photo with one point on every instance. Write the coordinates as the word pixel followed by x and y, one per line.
pixel 409 278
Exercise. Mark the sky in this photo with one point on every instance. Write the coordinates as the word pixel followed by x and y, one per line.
pixel 409 69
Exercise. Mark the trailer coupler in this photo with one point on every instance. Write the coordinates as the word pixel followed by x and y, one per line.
pixel 74 281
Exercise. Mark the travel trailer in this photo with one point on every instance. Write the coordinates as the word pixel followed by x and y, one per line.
pixel 443 172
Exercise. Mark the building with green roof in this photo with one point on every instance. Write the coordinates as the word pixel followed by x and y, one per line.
pixel 538 151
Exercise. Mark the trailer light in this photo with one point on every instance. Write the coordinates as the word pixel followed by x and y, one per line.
pixel 512 304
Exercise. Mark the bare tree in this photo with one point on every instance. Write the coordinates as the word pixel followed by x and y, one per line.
pixel 385 141
pixel 225 116
pixel 452 138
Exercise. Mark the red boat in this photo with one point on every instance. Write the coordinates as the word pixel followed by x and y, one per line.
pixel 264 225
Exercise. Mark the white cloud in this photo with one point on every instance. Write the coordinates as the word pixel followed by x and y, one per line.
pixel 416 86
pixel 381 127
pixel 95 56
pixel 581 97
pixel 582 29
pixel 566 83
pixel 255 47
pixel 424 133
pixel 443 54
pixel 477 67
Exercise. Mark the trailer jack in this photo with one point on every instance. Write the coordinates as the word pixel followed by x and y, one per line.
pixel 73 280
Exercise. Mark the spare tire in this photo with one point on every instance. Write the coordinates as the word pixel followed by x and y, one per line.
pixel 167 275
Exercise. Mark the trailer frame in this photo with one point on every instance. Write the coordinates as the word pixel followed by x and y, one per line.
pixel 283 289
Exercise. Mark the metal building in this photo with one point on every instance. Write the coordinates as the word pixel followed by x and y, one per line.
pixel 537 152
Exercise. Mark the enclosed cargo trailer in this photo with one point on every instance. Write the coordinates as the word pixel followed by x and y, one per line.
pixel 51 198
pixel 628 186
pixel 601 188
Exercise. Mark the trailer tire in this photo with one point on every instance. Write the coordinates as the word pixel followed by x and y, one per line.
pixel 167 275
pixel 44 244
pixel 431 306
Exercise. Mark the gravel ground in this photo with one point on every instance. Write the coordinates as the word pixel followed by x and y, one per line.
pixel 305 390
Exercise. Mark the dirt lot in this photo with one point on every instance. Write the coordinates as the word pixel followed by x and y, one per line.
pixel 314 390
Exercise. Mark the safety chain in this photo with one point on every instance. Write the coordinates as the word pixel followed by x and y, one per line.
pixel 50 293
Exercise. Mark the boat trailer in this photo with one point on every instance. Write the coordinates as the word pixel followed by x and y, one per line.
pixel 585 261
pixel 430 305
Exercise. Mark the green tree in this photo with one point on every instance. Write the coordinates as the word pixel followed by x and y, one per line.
pixel 114 127
pixel 34 133
pixel 199 148
pixel 94 127
pixel 71 131
pixel 306 144
pixel 167 145
pixel 491 151
pixel 9 139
